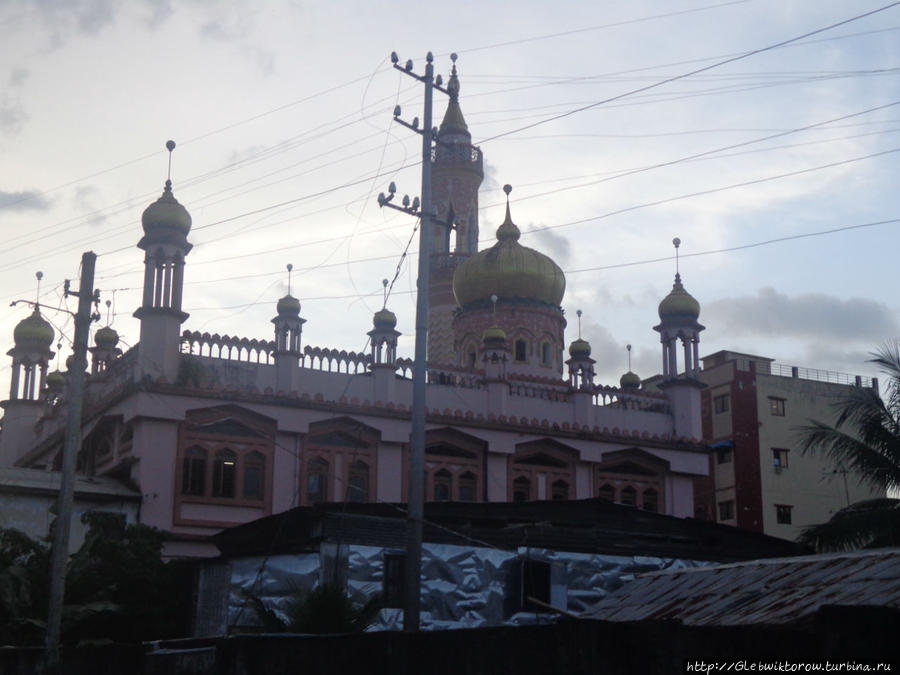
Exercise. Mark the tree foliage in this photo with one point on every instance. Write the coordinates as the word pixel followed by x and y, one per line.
pixel 327 608
pixel 865 440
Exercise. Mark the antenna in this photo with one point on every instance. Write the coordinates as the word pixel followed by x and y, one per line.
pixel 628 347
pixel 579 323
pixel 170 146
pixel 290 267
pixel 38 275
pixel 384 283
pixel 676 242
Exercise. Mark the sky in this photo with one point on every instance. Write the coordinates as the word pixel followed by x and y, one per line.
pixel 763 133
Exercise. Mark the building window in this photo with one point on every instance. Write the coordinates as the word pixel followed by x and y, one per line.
pixel 443 485
pixel 254 470
pixel 723 455
pixel 358 483
pixel 776 407
pixel 224 474
pixel 521 489
pixel 780 458
pixel 650 500
pixel 546 354
pixel 317 481
pixel 726 510
pixel 468 485
pixel 193 472
pixel 394 580
pixel 559 491
pixel 720 403
pixel 521 350
pixel 628 496
pixel 783 514
pixel 607 492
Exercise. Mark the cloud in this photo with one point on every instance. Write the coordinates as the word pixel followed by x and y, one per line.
pixel 26 200
pixel 12 114
pixel 550 243
pixel 813 316
pixel 85 201
pixel 18 76
pixel 612 356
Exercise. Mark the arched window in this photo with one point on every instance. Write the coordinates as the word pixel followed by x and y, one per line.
pixel 607 492
pixel 317 480
pixel 468 487
pixel 521 489
pixel 546 354
pixel 443 485
pixel 521 350
pixel 559 491
pixel 254 470
pixel 358 482
pixel 650 500
pixel 193 471
pixel 224 474
pixel 628 496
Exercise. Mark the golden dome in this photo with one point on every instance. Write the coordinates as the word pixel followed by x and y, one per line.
pixel 384 318
pixel 679 304
pixel 166 213
pixel 288 306
pixel 509 270
pixel 493 335
pixel 33 332
pixel 579 347
pixel 106 338
pixel 630 380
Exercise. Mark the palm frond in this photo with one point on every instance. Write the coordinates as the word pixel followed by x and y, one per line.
pixel 872 523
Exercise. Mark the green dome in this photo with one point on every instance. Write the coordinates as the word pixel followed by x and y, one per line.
pixel 630 380
pixel 166 213
pixel 384 318
pixel 106 338
pixel 509 270
pixel 493 335
pixel 33 332
pixel 679 304
pixel 288 306
pixel 579 347
pixel 56 379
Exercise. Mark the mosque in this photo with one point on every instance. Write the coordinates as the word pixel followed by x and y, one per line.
pixel 195 432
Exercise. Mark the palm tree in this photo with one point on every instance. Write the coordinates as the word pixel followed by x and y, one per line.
pixel 865 439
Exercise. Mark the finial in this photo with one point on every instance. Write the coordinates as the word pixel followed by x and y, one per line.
pixel 108 305
pixel 494 301
pixel 578 313
pixel 676 242
pixel 170 146
pixel 453 58
pixel 628 347
pixel 38 275
pixel 384 283
pixel 429 57
pixel 290 267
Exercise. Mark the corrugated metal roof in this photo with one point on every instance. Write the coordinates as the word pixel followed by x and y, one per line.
pixel 771 591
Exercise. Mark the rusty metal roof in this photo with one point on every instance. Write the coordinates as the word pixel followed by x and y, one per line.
pixel 770 591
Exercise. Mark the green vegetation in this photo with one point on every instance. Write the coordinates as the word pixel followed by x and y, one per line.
pixel 327 608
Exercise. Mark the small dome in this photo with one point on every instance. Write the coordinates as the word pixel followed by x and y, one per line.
pixel 70 363
pixel 33 332
pixel 509 270
pixel 166 213
pixel 288 306
pixel 106 338
pixel 384 318
pixel 493 335
pixel 630 380
pixel 679 304
pixel 56 380
pixel 579 347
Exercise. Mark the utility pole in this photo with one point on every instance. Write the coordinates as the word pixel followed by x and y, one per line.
pixel 60 551
pixel 416 491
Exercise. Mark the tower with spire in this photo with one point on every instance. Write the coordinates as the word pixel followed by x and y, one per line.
pixel 166 224
pixel 456 175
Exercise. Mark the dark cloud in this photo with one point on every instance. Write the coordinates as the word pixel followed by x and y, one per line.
pixel 611 355
pixel 549 243
pixel 811 316
pixel 26 200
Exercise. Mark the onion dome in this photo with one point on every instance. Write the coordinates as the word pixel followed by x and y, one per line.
pixel 384 319
pixel 56 380
pixel 106 338
pixel 509 270
pixel 579 347
pixel 33 332
pixel 288 306
pixel 679 304
pixel 453 122
pixel 630 380
pixel 166 214
pixel 493 336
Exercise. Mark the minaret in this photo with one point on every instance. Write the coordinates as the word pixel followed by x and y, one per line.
pixel 678 314
pixel 105 349
pixel 288 330
pixel 383 338
pixel 30 356
pixel 456 175
pixel 166 225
